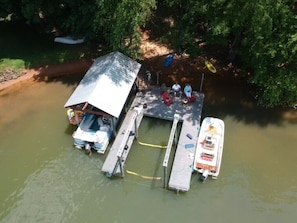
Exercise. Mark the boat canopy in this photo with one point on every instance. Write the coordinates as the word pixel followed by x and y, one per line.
pixel 107 84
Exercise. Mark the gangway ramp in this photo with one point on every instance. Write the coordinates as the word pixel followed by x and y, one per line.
pixel 113 164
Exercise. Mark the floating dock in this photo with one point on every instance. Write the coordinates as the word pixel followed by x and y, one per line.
pixel 115 160
pixel 181 172
pixel 152 106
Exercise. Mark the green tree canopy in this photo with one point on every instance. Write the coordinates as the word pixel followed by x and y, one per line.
pixel 260 33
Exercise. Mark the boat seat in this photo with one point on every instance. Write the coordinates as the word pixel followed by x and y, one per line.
pixel 207 157
pixel 209 142
pixel 208 146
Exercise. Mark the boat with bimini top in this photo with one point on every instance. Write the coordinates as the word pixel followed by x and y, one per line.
pixel 100 99
pixel 94 131
pixel 209 149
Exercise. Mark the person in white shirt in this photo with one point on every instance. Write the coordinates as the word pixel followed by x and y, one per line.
pixel 176 89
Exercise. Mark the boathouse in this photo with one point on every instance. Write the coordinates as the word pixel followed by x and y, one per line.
pixel 105 89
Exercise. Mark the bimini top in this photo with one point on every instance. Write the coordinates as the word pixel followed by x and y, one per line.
pixel 107 83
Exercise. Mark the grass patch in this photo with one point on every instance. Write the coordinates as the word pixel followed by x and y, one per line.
pixel 15 65
pixel 22 46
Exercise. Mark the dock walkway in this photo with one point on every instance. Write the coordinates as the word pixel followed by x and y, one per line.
pixel 122 143
pixel 182 168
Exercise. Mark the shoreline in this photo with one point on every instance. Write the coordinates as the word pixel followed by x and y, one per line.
pixel 47 72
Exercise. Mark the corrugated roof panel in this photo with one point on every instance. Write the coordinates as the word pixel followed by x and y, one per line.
pixel 107 83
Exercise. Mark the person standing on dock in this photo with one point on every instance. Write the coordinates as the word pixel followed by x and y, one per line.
pixel 188 93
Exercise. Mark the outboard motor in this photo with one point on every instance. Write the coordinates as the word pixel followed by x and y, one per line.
pixel 204 176
pixel 88 149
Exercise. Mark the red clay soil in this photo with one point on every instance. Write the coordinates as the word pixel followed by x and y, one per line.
pixel 183 69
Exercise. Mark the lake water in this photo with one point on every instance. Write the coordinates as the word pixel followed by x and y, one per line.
pixel 44 179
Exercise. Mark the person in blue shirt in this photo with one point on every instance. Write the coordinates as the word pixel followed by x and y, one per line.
pixel 188 91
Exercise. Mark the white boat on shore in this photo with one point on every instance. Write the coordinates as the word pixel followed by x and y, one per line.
pixel 209 149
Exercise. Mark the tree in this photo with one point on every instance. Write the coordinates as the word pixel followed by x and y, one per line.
pixel 9 7
pixel 73 17
pixel 115 23
pixel 120 22
pixel 261 32
pixel 269 49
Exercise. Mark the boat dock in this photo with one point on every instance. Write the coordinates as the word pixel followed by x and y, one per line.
pixel 115 160
pixel 151 104
pixel 181 172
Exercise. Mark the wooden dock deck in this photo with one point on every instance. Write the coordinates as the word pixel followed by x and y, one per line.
pixel 157 109
pixel 182 168
pixel 153 106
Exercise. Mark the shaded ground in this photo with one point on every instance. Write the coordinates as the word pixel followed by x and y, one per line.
pixel 226 92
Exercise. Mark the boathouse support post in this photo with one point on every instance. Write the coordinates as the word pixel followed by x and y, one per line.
pixel 76 117
pixel 121 166
pixel 165 177
pixel 136 124
pixel 135 128
pixel 113 126
pixel 201 84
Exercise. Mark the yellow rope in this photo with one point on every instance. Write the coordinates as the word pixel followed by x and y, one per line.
pixel 142 176
pixel 152 145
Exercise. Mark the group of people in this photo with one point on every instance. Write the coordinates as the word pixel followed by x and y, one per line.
pixel 178 90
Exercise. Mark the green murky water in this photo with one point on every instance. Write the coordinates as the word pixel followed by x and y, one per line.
pixel 44 179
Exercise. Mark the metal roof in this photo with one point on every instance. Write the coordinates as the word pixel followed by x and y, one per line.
pixel 107 83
